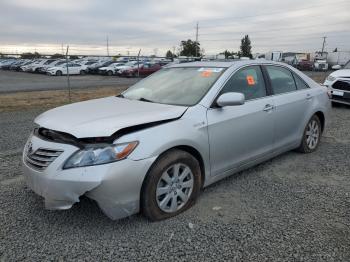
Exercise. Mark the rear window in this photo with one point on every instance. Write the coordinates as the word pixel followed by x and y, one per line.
pixel 282 80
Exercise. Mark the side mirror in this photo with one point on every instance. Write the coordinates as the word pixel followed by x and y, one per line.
pixel 230 99
pixel 336 67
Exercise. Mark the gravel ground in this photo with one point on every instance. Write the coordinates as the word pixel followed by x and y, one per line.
pixel 293 208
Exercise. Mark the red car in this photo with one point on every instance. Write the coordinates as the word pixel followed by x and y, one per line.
pixel 305 65
pixel 144 70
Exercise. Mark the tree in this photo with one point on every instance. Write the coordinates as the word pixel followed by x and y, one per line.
pixel 190 48
pixel 73 57
pixel 228 54
pixel 335 50
pixel 169 54
pixel 30 55
pixel 246 48
pixel 56 56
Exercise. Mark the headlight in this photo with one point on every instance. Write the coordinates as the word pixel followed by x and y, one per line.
pixel 331 78
pixel 100 154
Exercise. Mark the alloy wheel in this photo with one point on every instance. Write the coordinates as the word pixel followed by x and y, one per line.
pixel 174 188
pixel 312 134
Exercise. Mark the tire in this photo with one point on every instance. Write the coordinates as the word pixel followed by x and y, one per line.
pixel 82 72
pixel 312 132
pixel 59 73
pixel 109 73
pixel 164 206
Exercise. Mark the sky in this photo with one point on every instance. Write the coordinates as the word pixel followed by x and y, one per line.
pixel 155 26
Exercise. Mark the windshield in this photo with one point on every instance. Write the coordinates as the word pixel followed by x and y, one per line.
pixel 347 65
pixel 176 86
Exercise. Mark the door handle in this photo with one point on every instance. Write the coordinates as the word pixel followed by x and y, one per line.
pixel 308 97
pixel 268 107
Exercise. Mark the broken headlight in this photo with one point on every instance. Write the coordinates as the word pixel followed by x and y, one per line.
pixel 100 154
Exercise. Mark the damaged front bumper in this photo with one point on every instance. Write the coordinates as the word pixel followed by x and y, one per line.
pixel 115 186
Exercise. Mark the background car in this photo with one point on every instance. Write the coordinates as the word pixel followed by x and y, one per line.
pixel 129 65
pixel 73 69
pixel 338 83
pixel 305 65
pixel 42 69
pixel 110 69
pixel 143 70
pixel 94 69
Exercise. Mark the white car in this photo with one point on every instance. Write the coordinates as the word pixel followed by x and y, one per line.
pixel 36 65
pixel 338 84
pixel 127 66
pixel 47 65
pixel 110 70
pixel 73 69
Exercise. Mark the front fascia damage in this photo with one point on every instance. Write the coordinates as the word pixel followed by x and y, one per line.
pixel 115 187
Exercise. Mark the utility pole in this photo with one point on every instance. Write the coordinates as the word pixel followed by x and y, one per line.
pixel 138 64
pixel 323 44
pixel 197 28
pixel 62 49
pixel 68 80
pixel 107 46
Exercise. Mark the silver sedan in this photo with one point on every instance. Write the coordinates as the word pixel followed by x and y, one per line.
pixel 155 146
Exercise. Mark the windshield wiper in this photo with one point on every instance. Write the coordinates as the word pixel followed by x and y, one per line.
pixel 120 95
pixel 145 100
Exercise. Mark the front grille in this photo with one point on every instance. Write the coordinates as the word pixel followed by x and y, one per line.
pixel 42 158
pixel 340 99
pixel 342 85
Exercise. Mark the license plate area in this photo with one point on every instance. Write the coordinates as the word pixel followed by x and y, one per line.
pixel 337 93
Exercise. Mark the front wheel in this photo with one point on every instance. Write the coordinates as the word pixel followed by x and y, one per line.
pixel 311 136
pixel 171 186
pixel 109 73
pixel 82 72
pixel 58 73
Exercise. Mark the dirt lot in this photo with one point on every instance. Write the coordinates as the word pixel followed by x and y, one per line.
pixel 295 207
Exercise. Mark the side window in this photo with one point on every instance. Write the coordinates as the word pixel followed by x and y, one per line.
pixel 282 80
pixel 300 83
pixel 248 81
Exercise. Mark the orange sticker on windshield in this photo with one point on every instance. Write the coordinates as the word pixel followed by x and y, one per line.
pixel 250 80
pixel 206 73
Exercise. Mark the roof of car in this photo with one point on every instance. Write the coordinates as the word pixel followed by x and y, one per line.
pixel 223 64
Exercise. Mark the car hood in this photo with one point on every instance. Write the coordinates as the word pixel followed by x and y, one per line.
pixel 341 73
pixel 105 116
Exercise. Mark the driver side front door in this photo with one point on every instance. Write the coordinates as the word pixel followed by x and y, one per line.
pixel 243 133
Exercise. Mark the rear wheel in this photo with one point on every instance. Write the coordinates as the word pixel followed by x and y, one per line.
pixel 58 73
pixel 311 136
pixel 82 72
pixel 172 185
